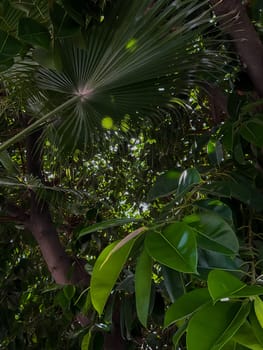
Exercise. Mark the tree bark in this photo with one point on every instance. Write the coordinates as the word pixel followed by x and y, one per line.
pixel 232 16
pixel 62 267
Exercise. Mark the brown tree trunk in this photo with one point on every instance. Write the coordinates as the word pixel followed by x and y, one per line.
pixel 61 266
pixel 232 16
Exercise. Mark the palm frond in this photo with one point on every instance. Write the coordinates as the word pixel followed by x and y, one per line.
pixel 142 58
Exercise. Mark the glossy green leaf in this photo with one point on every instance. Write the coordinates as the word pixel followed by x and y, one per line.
pixel 173 282
pixel 143 283
pixel 187 180
pixel 222 284
pixel 174 247
pixel 33 32
pixel 105 274
pixel 232 345
pixel 255 325
pixel 217 207
pixel 214 325
pixel 186 305
pixel 209 260
pixel 105 225
pixel 252 131
pixel 165 185
pixel 86 341
pixel 214 233
pixel 179 333
pixel 246 337
pixel 258 307
pixel 248 291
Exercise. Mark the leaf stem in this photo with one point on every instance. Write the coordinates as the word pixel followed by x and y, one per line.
pixel 37 123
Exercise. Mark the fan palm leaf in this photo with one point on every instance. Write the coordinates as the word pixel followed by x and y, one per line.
pixel 142 58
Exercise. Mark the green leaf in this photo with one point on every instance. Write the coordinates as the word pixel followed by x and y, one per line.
pixel 165 185
pixel 246 337
pixel 186 305
pixel 143 283
pixel 33 32
pixel 257 329
pixel 69 291
pixel 106 224
pixel 173 282
pixel 62 300
pixel 232 345
pixel 178 334
pixel 217 207
pixel 209 260
pixel 252 131
pixel 105 274
pixel 215 325
pixel 86 341
pixel 64 26
pixel 187 180
pixel 214 233
pixel 222 284
pixel 239 187
pixel 9 46
pixel 175 247
pixel 258 307
pixel 248 291
pixel 8 163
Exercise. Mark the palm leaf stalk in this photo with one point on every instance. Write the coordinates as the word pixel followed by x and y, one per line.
pixel 140 60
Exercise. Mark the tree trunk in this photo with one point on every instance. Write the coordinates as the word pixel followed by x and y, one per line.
pixel 61 266
pixel 232 16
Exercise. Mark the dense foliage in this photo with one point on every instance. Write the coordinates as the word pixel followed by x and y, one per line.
pixel 131 175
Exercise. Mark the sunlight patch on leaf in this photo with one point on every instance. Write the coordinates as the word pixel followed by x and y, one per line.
pixel 131 45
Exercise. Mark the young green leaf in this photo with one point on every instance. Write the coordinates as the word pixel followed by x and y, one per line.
pixel 105 274
pixel 143 282
pixel 175 247
pixel 222 284
pixel 215 325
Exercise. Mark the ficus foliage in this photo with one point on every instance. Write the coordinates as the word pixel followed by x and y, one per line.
pixel 164 206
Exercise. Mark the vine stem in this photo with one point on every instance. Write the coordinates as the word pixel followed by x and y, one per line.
pixel 25 132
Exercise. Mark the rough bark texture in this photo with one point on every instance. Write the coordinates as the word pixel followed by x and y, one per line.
pixel 234 20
